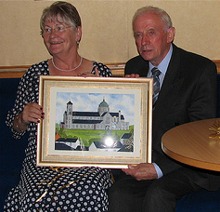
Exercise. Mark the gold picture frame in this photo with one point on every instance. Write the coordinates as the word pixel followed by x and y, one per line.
pixel 94 121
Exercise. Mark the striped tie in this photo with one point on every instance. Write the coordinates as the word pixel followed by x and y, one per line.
pixel 156 86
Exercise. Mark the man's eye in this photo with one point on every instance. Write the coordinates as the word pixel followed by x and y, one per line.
pixel 152 32
pixel 137 35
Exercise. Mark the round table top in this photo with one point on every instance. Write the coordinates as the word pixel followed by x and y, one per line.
pixel 195 143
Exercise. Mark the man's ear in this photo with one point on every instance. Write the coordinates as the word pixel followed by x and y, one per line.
pixel 171 34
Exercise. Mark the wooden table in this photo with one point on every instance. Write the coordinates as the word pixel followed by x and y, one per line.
pixel 194 144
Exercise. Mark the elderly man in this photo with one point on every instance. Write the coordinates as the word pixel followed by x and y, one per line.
pixel 185 91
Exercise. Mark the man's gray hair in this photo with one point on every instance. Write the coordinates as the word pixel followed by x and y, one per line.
pixel 156 10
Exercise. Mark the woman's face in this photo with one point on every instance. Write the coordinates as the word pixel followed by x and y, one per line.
pixel 60 38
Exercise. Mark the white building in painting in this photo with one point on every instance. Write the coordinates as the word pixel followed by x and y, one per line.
pixel 103 119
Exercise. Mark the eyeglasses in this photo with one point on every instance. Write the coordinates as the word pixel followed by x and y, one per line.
pixel 57 29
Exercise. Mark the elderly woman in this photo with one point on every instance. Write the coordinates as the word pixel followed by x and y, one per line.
pixel 45 188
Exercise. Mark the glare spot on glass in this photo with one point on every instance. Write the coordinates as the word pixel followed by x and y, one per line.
pixel 109 141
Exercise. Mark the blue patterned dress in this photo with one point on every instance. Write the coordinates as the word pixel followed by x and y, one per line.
pixel 44 188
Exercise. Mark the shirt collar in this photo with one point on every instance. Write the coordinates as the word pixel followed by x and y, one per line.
pixel 164 63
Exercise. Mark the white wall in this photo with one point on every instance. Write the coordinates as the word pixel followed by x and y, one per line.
pixel 107 34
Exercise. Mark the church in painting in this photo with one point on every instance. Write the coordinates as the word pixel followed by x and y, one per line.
pixel 103 119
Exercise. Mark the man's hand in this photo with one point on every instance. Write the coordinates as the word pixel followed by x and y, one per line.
pixel 132 76
pixel 143 171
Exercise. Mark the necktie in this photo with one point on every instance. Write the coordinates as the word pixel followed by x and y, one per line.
pixel 156 83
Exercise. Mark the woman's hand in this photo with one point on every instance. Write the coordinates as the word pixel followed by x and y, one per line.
pixel 32 113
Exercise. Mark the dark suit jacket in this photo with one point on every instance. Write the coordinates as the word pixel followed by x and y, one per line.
pixel 188 93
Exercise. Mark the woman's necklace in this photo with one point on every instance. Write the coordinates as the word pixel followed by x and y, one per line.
pixel 80 63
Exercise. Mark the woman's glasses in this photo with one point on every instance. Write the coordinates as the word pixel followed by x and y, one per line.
pixel 57 29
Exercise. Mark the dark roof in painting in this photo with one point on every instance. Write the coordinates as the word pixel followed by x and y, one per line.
pixel 82 121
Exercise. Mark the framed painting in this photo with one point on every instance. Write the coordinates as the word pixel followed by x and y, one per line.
pixel 94 121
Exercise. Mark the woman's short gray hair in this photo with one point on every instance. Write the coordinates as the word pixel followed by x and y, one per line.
pixel 160 12
pixel 63 12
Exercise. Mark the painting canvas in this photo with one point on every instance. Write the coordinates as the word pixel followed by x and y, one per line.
pixel 94 121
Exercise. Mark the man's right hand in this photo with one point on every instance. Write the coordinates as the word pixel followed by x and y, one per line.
pixel 132 75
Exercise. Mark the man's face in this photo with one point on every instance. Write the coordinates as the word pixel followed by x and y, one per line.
pixel 152 37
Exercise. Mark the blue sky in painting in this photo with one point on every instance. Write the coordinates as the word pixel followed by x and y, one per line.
pixel 90 101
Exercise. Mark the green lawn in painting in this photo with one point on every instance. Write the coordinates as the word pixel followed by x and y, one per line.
pixel 88 136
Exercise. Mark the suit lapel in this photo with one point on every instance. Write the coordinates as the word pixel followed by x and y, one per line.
pixel 172 80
